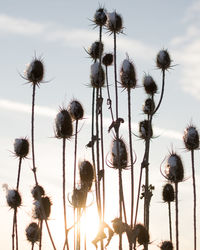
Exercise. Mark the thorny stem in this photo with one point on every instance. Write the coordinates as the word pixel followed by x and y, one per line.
pixel 78 230
pixel 41 228
pixel 16 231
pixel 194 193
pixel 33 161
pixel 176 203
pixel 170 220
pixel 32 246
pixel 138 195
pixel 109 101
pixel 13 229
pixel 19 171
pixel 162 92
pixel 64 195
pixel 131 155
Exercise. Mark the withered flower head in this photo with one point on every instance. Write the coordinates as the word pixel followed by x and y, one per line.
pixel 33 232
pixel 127 74
pixel 63 124
pixel 13 198
pixel 114 22
pixel 149 85
pixel 97 75
pixel 86 171
pixel 107 59
pixel 145 129
pixel 191 138
pixel 163 60
pixel 37 191
pixel 149 106
pixel 96 50
pixel 100 17
pixel 141 234
pixel 166 245
pixel 119 154
pixel 168 193
pixel 42 208
pixel 34 72
pixel 76 110
pixel 21 147
pixel 174 168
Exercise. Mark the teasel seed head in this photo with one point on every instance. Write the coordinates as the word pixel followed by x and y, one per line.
pixel 34 72
pixel 149 106
pixel 21 147
pixel 96 50
pixel 97 75
pixel 166 245
pixel 79 198
pixel 33 232
pixel 118 226
pixel 107 59
pixel 63 125
pixel 46 208
pixel 76 110
pixel 37 191
pixel 127 74
pixel 174 168
pixel 114 22
pixel 191 138
pixel 119 159
pixel 149 85
pixel 13 198
pixel 100 17
pixel 168 193
pixel 141 234
pixel 144 129
pixel 86 171
pixel 163 60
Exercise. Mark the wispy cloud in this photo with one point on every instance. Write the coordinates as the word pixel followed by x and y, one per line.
pixel 52 32
pixel 51 113
pixel 186 51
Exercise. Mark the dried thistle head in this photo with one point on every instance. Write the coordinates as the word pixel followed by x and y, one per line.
pixel 118 226
pixel 13 198
pixel 79 198
pixel 168 193
pixel 63 124
pixel 100 17
pixel 34 72
pixel 166 245
pixel 163 60
pixel 149 106
pixel 42 208
pixel 97 75
pixel 86 171
pixel 145 129
pixel 174 168
pixel 119 154
pixel 37 192
pixel 96 50
pixel 127 74
pixel 21 147
pixel 107 59
pixel 191 138
pixel 114 22
pixel 76 110
pixel 33 232
pixel 141 234
pixel 149 85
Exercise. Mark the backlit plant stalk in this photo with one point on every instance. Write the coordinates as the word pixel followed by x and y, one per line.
pixel 191 141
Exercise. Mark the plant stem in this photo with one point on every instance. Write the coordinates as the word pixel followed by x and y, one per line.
pixel 176 203
pixel 41 228
pixel 75 152
pixel 162 92
pixel 109 101
pixel 19 171
pixel 194 194
pixel 170 220
pixel 138 195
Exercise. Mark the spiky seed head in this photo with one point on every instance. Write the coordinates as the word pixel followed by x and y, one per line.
pixel 114 22
pixel 145 129
pixel 107 59
pixel 21 147
pixel 168 193
pixel 127 74
pixel 149 85
pixel 37 191
pixel 63 124
pixel 97 75
pixel 141 234
pixel 163 60
pixel 191 138
pixel 86 171
pixel 119 154
pixel 40 206
pixel 174 168
pixel 148 106
pixel 13 198
pixel 79 198
pixel 76 110
pixel 118 226
pixel 33 232
pixel 100 17
pixel 96 50
pixel 35 71
pixel 166 245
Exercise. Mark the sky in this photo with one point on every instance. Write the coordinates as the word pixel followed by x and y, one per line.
pixel 59 32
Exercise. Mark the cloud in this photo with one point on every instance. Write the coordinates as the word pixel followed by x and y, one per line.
pixel 19 26
pixel 51 113
pixel 52 32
